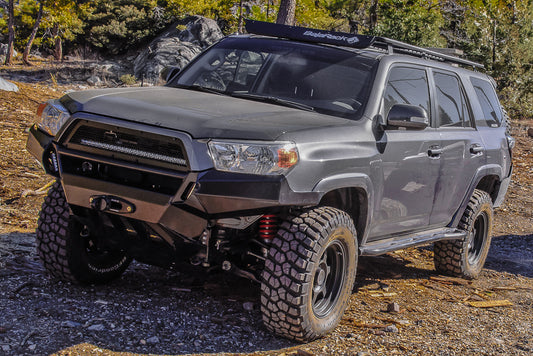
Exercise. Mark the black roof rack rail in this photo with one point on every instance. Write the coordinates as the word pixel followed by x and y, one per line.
pixel 394 46
pixel 350 40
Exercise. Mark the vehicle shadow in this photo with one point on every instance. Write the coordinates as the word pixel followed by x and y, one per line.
pixel 396 265
pixel 511 254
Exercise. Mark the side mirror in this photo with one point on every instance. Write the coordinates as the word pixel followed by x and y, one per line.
pixel 408 116
pixel 169 72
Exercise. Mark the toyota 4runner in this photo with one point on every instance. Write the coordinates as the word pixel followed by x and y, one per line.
pixel 281 156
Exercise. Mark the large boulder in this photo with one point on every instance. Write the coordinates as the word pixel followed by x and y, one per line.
pixel 200 31
pixel 175 47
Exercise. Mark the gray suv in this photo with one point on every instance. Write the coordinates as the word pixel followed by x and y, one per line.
pixel 280 156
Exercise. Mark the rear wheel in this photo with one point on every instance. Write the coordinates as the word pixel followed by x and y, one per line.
pixel 67 248
pixel 466 257
pixel 309 274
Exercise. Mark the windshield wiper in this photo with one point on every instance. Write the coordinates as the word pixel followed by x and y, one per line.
pixel 273 100
pixel 201 88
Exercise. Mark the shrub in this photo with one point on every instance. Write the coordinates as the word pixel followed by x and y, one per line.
pixel 128 79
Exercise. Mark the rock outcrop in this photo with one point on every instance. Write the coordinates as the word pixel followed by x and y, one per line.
pixel 175 47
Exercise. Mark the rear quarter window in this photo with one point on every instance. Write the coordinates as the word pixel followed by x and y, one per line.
pixel 490 105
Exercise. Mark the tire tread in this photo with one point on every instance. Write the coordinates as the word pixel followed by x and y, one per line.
pixel 287 273
pixel 449 256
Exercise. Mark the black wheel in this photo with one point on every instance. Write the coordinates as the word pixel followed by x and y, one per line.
pixel 466 257
pixel 309 274
pixel 67 249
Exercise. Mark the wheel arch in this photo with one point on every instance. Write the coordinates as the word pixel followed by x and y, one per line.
pixel 488 179
pixel 351 193
pixel 490 184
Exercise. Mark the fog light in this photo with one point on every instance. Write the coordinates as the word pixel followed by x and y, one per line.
pixel 51 162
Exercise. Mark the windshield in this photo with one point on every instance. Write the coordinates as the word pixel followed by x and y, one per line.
pixel 310 77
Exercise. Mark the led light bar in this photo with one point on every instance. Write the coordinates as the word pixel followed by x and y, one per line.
pixel 134 152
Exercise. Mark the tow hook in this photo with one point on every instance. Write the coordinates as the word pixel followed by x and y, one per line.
pixel 112 204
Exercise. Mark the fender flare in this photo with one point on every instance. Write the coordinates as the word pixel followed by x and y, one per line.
pixel 488 170
pixel 350 180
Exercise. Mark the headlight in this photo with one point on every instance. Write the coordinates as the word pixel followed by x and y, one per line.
pixel 53 116
pixel 253 157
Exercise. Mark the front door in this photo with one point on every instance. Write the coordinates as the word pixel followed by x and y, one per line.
pixel 404 200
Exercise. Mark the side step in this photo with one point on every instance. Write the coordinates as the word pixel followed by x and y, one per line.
pixel 380 247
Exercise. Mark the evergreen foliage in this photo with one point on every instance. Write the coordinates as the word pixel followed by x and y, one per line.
pixel 415 22
pixel 118 25
pixel 497 33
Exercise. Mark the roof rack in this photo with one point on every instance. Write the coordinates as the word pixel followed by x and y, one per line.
pixel 350 40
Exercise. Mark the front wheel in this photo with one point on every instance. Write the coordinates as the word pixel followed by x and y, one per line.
pixel 67 248
pixel 309 274
pixel 465 257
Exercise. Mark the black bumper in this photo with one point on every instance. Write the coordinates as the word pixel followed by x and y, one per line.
pixel 199 198
pixel 214 195
pixel 38 144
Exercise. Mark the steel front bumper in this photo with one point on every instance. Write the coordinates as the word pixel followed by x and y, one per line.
pixel 199 198
pixel 203 197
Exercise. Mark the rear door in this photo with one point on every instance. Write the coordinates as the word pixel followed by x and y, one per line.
pixel 461 149
pixel 489 120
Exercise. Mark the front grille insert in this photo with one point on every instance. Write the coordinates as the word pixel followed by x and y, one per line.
pixel 150 181
pixel 128 145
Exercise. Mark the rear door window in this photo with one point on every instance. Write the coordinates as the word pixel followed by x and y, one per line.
pixel 451 101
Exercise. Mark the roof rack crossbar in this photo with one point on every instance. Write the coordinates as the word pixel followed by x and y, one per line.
pixel 350 40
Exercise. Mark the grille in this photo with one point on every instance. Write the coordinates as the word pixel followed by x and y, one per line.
pixel 129 145
pixel 149 181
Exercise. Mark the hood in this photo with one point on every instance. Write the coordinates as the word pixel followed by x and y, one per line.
pixel 202 115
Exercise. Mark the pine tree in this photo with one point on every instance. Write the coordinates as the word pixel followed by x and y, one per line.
pixel 29 44
pixel 11 32
pixel 286 13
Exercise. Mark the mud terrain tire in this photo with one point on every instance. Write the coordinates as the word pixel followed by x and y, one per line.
pixel 66 252
pixel 309 274
pixel 465 257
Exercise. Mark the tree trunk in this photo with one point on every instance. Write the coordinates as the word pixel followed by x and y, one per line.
pixel 58 49
pixel 373 18
pixel 11 32
pixel 32 35
pixel 240 16
pixel 287 9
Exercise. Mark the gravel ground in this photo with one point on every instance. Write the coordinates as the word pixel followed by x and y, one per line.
pixel 156 311
pixel 149 310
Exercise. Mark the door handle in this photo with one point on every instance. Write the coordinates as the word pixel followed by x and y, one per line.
pixel 435 151
pixel 475 149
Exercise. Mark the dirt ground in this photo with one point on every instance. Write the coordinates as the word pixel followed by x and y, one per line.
pixel 434 315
